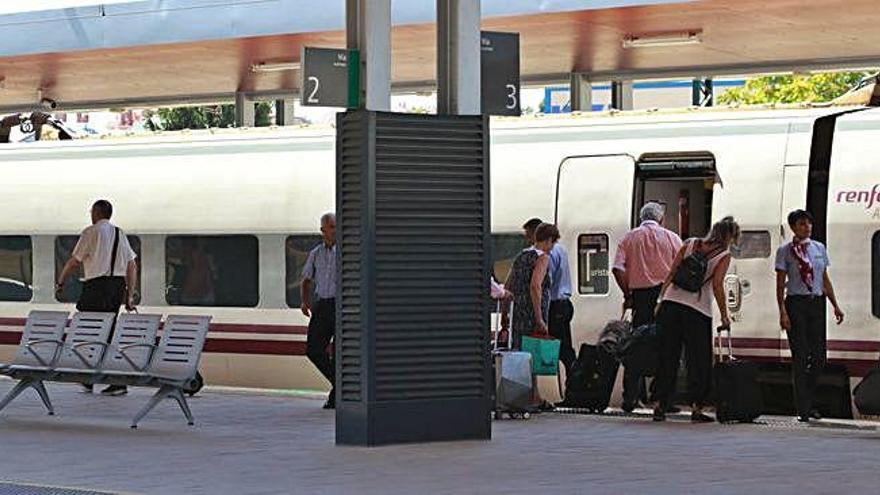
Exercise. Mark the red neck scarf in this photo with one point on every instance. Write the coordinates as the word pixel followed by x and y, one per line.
pixel 805 267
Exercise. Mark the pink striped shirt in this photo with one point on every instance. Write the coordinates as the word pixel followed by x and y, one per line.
pixel 646 254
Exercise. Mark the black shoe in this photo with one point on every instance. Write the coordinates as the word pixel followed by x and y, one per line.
pixel 628 408
pixel 115 390
pixel 804 419
pixel 815 414
pixel 87 389
pixel 698 417
pixel 673 410
pixel 546 407
pixel 659 415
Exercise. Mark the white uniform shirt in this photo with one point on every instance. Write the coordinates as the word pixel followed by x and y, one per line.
pixel 94 250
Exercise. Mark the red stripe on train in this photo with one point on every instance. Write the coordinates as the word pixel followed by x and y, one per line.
pixel 215 327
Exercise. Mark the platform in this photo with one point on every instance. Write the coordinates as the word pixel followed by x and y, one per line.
pixel 275 443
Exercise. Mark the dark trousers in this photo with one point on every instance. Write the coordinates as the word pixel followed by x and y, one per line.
pixel 559 326
pixel 682 325
pixel 644 301
pixel 806 339
pixel 322 327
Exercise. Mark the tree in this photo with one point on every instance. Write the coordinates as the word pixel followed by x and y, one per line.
pixel 177 118
pixel 796 88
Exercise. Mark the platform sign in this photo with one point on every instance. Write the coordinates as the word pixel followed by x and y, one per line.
pixel 325 81
pixel 499 73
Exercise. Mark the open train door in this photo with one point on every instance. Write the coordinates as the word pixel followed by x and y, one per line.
pixel 594 197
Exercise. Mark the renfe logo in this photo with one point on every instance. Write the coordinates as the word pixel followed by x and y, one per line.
pixel 869 198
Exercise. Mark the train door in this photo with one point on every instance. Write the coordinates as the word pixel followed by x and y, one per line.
pixel 794 197
pixel 593 212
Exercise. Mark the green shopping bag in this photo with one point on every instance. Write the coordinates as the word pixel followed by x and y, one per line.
pixel 545 354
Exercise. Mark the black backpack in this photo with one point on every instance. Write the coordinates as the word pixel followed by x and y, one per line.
pixel 691 272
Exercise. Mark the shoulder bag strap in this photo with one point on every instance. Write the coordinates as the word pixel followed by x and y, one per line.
pixel 113 255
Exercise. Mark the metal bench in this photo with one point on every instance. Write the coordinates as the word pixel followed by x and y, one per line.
pixel 38 351
pixel 174 363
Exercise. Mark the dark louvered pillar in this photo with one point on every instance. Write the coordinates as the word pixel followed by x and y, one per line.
pixel 412 196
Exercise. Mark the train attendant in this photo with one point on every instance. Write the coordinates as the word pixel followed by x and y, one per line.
pixel 685 317
pixel 802 285
pixel 109 267
pixel 561 309
pixel 320 272
pixel 642 263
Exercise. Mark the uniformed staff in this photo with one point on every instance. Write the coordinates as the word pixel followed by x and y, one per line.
pixel 320 272
pixel 109 267
pixel 802 285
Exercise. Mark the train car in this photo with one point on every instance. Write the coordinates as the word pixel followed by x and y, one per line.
pixel 222 220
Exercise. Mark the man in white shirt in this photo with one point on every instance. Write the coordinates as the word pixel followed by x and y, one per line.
pixel 110 270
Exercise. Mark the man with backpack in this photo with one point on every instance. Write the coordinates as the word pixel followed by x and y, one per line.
pixel 641 265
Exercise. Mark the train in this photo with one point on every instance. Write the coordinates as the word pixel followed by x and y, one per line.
pixel 222 220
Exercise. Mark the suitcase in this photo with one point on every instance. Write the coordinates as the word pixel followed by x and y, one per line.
pixel 866 395
pixel 736 386
pixel 592 380
pixel 512 372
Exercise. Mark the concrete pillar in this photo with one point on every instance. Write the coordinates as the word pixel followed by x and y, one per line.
pixel 368 30
pixel 458 57
pixel 622 95
pixel 284 112
pixel 245 111
pixel 581 93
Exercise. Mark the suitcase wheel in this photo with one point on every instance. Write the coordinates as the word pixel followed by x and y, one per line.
pixel 526 415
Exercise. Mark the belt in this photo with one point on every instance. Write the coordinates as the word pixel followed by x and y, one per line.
pixel 806 297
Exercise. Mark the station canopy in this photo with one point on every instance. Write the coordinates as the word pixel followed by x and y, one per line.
pixel 128 53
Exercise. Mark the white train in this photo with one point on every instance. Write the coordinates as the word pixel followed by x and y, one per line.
pixel 223 220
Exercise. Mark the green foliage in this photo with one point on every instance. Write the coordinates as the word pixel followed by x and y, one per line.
pixel 177 118
pixel 796 88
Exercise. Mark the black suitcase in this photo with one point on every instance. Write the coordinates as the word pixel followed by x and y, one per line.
pixel 866 395
pixel 736 386
pixel 592 380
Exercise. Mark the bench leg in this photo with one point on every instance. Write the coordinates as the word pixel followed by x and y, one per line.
pixel 40 387
pixel 181 401
pixel 19 387
pixel 163 392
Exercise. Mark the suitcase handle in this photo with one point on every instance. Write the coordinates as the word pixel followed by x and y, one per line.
pixel 721 330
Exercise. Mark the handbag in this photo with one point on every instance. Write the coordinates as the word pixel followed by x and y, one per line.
pixel 545 354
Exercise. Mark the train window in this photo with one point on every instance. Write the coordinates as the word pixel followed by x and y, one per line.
pixel 219 270
pixel 505 247
pixel 593 264
pixel 297 249
pixel 752 244
pixel 64 245
pixel 875 274
pixel 16 268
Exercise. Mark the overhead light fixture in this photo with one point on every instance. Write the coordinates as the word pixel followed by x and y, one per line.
pixel 679 38
pixel 277 67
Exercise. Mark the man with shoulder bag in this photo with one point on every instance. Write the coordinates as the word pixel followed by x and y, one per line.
pixel 109 268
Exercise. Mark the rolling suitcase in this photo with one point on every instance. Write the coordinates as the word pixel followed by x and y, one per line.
pixel 866 395
pixel 736 386
pixel 513 379
pixel 592 380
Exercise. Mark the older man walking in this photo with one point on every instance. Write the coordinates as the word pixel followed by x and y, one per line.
pixel 643 260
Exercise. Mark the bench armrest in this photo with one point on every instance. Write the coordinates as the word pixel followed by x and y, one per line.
pixel 75 349
pixel 124 348
pixel 29 346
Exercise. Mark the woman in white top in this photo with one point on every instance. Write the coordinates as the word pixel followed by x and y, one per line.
pixel 685 318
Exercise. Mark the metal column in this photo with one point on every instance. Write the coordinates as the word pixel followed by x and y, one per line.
pixel 581 93
pixel 458 57
pixel 622 95
pixel 703 93
pixel 368 30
